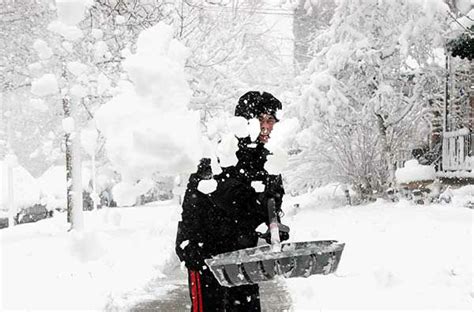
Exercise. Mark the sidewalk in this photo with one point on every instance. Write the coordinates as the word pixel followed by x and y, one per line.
pixel 274 296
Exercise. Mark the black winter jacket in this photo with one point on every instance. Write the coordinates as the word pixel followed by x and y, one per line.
pixel 226 219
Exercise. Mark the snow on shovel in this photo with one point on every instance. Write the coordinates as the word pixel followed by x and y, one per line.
pixel 263 263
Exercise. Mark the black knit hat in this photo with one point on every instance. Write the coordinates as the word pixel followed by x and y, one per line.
pixel 254 103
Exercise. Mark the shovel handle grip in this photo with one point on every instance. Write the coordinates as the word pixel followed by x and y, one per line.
pixel 273 225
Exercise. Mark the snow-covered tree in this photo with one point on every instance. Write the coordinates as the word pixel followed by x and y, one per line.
pixel 230 53
pixel 366 92
pixel 69 78
pixel 21 24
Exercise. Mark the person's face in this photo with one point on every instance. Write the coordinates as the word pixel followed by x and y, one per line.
pixel 266 126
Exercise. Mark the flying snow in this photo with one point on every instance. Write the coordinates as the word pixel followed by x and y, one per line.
pixel 148 125
pixel 207 186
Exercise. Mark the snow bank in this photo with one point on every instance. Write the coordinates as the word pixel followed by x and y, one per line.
pixel 119 252
pixel 26 190
pixel 463 195
pixel 328 196
pixel 148 127
pixel 397 257
pixel 413 171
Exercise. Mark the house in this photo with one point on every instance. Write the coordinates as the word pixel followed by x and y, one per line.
pixel 458 121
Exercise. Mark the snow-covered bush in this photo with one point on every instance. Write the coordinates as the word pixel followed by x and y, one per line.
pixel 413 171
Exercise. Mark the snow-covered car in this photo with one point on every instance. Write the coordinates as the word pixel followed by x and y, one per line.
pixel 26 196
pixel 33 214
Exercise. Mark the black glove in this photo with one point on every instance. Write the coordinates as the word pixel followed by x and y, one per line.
pixel 193 257
pixel 274 187
pixel 284 233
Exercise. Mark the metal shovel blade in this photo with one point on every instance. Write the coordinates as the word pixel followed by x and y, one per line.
pixel 259 264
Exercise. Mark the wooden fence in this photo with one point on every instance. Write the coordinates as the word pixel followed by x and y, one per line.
pixel 458 151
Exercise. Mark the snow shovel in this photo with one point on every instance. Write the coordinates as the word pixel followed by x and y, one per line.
pixel 263 263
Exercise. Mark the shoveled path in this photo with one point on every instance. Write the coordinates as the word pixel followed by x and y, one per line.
pixel 274 296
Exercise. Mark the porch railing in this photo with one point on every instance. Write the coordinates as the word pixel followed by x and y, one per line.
pixel 458 150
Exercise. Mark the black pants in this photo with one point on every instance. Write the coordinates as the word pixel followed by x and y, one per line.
pixel 207 295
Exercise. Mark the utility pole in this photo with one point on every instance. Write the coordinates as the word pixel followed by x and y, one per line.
pixel 3 125
pixel 9 162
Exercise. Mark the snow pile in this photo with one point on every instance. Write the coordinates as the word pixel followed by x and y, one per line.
pixel 413 171
pixel 397 257
pixel 328 196
pixel 148 127
pixel 26 191
pixel 463 195
pixel 45 85
pixel 119 252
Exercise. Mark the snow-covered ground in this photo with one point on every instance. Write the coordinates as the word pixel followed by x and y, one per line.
pixel 397 256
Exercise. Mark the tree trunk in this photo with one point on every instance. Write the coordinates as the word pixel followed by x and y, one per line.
pixel 68 145
pixel 10 193
pixel 387 151
pixel 471 99
pixel 94 184
pixel 73 171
